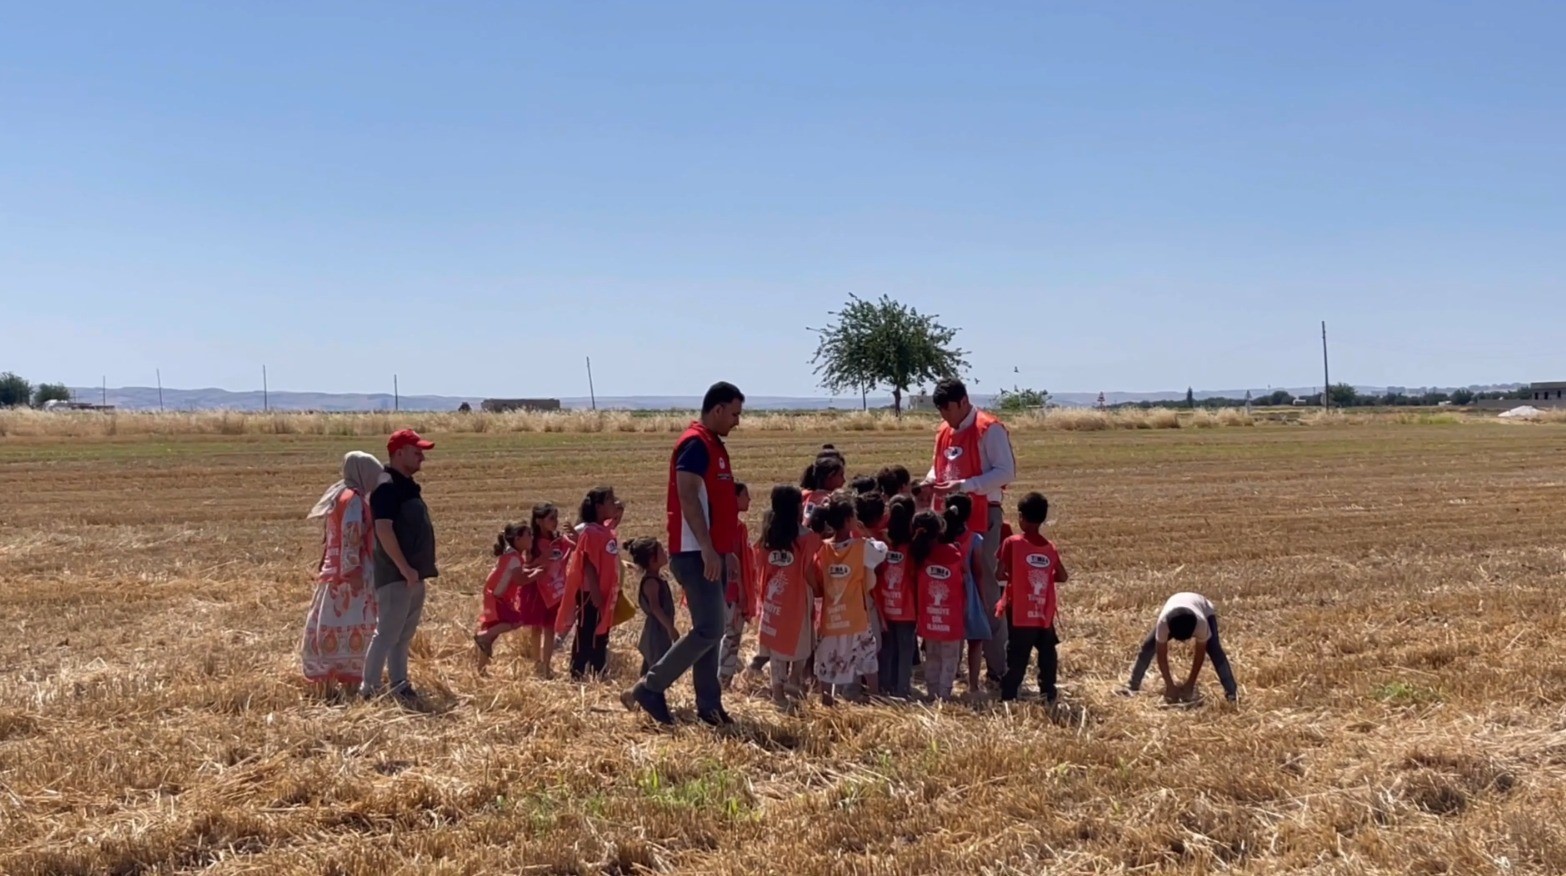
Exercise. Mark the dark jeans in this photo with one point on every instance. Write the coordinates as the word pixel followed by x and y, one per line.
pixel 899 645
pixel 1021 642
pixel 697 650
pixel 1215 654
pixel 589 651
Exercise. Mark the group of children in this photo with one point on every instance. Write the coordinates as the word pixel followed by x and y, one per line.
pixel 850 585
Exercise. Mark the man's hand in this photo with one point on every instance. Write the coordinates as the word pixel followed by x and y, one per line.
pixel 410 577
pixel 711 563
pixel 943 488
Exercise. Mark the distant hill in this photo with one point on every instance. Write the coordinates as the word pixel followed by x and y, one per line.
pixel 146 398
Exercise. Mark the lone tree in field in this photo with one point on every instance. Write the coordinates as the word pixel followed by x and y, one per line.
pixel 884 343
pixel 15 391
pixel 48 392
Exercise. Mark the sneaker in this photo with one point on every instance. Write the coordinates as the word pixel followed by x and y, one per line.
pixel 406 697
pixel 715 718
pixel 654 704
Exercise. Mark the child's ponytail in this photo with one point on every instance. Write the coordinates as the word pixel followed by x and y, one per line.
pixel 927 528
pixel 508 535
pixel 958 508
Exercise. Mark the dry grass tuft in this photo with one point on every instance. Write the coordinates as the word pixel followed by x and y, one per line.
pixel 1390 594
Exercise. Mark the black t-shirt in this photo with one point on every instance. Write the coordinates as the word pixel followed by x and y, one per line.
pixel 401 501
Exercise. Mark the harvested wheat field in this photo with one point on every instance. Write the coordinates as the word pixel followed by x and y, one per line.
pixel 1391 599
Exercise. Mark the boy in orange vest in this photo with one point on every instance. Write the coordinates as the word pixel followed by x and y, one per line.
pixel 1028 570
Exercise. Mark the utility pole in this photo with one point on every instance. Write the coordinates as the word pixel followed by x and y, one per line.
pixel 592 394
pixel 105 399
pixel 266 400
pixel 396 395
pixel 1326 381
pixel 159 372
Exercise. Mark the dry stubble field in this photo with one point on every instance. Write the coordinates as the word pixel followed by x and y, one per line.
pixel 1391 599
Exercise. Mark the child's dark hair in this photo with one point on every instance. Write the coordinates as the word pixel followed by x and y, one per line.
pixel 508 535
pixel 807 481
pixel 838 511
pixel 823 469
pixel 540 511
pixel 958 507
pixel 740 489
pixel 818 520
pixel 780 523
pixel 832 451
pixel 893 479
pixel 899 520
pixel 1033 508
pixel 588 513
pixel 862 484
pixel 870 508
pixel 642 549
pixel 1182 625
pixel 927 531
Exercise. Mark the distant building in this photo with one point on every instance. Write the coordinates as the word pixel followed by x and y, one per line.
pixel 500 405
pixel 1553 393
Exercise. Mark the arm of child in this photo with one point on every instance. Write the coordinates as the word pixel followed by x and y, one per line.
pixel 1163 665
pixel 1200 649
pixel 507 579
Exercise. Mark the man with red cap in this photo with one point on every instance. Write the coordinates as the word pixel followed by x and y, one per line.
pixel 404 558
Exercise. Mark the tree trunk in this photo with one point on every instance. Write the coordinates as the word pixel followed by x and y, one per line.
pixel 897 402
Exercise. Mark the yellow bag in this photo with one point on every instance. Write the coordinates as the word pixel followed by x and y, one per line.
pixel 624 610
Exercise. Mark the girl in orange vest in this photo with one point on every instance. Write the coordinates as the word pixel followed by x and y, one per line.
pixel 939 566
pixel 592 584
pixel 785 563
pixel 976 621
pixel 897 599
pixel 550 550
pixel 513 572
pixel 739 595
pixel 1029 569
pixel 845 566
pixel 824 477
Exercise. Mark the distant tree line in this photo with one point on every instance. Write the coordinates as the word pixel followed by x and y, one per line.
pixel 17 392
pixel 1344 395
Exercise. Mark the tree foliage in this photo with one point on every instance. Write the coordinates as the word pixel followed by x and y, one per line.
pixel 1343 395
pixel 1017 400
pixel 48 392
pixel 884 343
pixel 15 391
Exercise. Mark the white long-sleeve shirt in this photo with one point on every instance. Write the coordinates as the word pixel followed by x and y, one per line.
pixel 997 463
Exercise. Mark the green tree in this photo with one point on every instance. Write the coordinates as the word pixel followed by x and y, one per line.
pixel 884 343
pixel 1279 397
pixel 1462 397
pixel 1017 400
pixel 1343 395
pixel 14 391
pixel 48 392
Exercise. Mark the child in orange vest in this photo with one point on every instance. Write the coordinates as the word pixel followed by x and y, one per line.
pixel 541 602
pixel 654 598
pixel 592 584
pixel 845 566
pixel 739 595
pixel 939 566
pixel 501 612
pixel 976 620
pixel 785 563
pixel 1029 568
pixel 898 604
pixel 824 477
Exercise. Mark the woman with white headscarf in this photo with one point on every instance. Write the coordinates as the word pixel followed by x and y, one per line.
pixel 342 614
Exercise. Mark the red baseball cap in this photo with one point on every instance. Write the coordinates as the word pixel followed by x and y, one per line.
pixel 407 438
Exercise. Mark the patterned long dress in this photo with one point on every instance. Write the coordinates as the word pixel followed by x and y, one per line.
pixel 342 614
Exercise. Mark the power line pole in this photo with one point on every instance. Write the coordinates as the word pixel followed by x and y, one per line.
pixel 396 395
pixel 266 400
pixel 591 393
pixel 159 372
pixel 1326 381
pixel 105 398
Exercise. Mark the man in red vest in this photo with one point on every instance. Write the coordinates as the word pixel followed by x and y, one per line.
pixel 973 455
pixel 704 542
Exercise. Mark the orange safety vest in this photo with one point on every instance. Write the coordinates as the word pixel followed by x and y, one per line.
pixel 785 593
pixel 957 459
pixel 843 580
pixel 895 589
pixel 1032 570
pixel 597 543
pixel 942 596
pixel 552 584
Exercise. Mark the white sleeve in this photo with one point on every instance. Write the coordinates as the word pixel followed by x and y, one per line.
pixel 1002 463
pixel 875 553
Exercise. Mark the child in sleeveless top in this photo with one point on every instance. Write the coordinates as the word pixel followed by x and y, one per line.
pixel 976 621
pixel 847 652
pixel 654 598
pixel 513 571
pixel 541 602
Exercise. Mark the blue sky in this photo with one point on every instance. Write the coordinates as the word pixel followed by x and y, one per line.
pixel 1130 196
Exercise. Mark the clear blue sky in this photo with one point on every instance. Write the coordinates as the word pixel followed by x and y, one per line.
pixel 1111 196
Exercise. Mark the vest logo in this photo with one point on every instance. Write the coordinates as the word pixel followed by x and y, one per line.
pixel 954 452
pixel 781 558
pixel 1038 561
pixel 894 557
pixel 723 463
pixel 938 573
pixel 556 555
pixel 612 548
pixel 839 570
